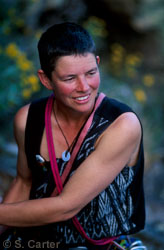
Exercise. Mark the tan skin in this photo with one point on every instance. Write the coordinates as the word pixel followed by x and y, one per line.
pixel 75 89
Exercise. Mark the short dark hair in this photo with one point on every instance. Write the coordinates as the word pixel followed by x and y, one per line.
pixel 62 40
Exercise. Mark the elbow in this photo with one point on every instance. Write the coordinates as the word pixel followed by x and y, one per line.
pixel 70 210
pixel 69 214
pixel 65 210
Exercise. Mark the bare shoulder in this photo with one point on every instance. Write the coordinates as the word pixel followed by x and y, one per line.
pixel 126 126
pixel 21 116
pixel 128 122
pixel 20 122
pixel 132 132
pixel 121 140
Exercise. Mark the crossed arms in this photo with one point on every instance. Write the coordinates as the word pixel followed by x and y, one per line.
pixel 117 147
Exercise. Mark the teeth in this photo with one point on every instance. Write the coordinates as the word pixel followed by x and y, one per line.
pixel 82 98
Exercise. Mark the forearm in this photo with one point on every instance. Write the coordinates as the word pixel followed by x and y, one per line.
pixel 33 212
pixel 18 191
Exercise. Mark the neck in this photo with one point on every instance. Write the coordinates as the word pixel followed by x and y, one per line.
pixel 76 126
pixel 70 117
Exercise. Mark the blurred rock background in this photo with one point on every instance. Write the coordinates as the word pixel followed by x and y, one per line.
pixel 130 39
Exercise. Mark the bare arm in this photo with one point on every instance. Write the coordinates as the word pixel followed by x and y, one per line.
pixel 113 151
pixel 20 187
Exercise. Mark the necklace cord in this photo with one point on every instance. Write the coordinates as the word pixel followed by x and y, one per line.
pixel 71 147
pixel 55 169
pixel 61 131
pixel 78 144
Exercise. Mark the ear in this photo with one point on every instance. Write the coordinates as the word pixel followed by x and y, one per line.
pixel 98 59
pixel 44 79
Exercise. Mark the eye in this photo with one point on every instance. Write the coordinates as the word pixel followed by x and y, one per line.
pixel 92 72
pixel 69 79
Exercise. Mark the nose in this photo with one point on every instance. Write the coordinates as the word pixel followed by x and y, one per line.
pixel 82 84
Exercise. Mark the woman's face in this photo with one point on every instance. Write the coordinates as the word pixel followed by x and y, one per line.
pixel 75 82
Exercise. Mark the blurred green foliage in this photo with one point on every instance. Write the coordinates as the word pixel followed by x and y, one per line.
pixel 125 77
pixel 123 73
pixel 18 56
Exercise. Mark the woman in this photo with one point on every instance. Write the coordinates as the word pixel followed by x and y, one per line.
pixel 98 148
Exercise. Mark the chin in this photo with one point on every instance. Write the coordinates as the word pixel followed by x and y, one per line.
pixel 85 109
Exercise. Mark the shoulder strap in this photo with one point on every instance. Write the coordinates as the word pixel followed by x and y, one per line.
pixel 54 166
pixel 112 108
pixel 34 128
pixel 76 148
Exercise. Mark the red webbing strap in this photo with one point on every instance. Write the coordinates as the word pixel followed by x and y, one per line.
pixel 79 142
pixel 54 165
pixel 51 150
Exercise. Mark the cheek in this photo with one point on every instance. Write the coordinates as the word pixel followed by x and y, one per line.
pixel 96 82
pixel 65 90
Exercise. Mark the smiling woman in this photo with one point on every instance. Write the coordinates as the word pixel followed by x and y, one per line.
pixel 74 81
pixel 80 159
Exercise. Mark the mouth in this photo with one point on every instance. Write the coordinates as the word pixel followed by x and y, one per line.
pixel 82 98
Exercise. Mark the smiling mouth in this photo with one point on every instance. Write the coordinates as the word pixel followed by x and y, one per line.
pixel 82 98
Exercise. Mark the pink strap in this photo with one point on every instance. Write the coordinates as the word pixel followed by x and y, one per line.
pixel 54 165
pixel 51 150
pixel 78 143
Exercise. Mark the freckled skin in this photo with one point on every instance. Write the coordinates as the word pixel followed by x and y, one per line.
pixel 76 76
pixel 73 77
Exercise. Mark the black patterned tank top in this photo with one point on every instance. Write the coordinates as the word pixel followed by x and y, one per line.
pixel 118 210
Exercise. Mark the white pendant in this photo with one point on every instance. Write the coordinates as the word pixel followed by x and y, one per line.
pixel 66 155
